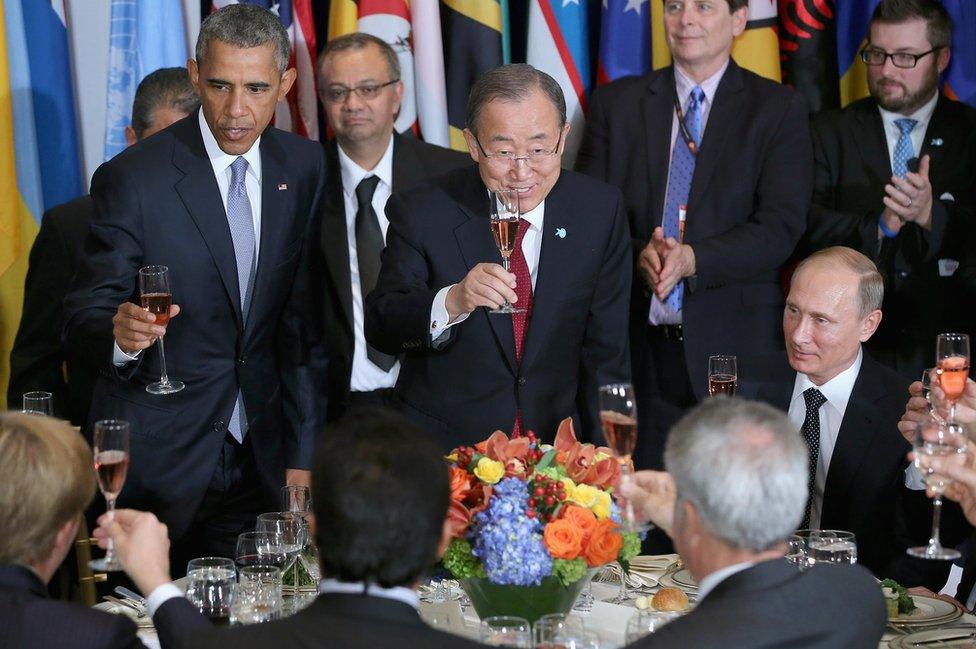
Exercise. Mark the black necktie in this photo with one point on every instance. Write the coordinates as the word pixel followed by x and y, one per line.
pixel 369 246
pixel 811 433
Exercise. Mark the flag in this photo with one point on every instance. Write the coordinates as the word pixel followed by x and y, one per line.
pixel 143 37
pixel 299 113
pixel 808 51
pixel 20 181
pixel 428 52
pixel 625 39
pixel 960 80
pixel 558 44
pixel 852 31
pixel 475 41
pixel 757 48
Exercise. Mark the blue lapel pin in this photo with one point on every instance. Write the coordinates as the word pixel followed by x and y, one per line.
pixel 561 233
pixel 936 141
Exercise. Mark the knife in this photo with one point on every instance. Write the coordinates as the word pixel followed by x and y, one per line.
pixel 136 597
pixel 939 641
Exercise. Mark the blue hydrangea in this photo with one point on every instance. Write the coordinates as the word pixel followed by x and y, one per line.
pixel 507 541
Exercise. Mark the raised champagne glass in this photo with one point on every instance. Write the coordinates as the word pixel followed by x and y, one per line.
pixel 935 438
pixel 722 375
pixel 156 297
pixel 504 218
pixel 952 361
pixel 111 455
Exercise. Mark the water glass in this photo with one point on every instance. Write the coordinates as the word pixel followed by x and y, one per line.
pixel 831 546
pixel 506 631
pixel 644 622
pixel 207 563
pixel 553 630
pixel 211 590
pixel 38 403
pixel 258 595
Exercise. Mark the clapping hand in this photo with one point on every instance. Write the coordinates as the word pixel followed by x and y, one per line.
pixel 910 198
pixel 664 262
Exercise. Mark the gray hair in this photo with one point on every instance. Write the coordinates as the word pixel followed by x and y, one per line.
pixel 162 88
pixel 359 41
pixel 870 288
pixel 245 26
pixel 744 468
pixel 512 83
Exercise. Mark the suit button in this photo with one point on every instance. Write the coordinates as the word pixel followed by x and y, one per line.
pixel 220 425
pixel 521 380
pixel 240 361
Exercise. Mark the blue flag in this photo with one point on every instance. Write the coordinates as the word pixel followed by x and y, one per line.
pixel 625 39
pixel 960 80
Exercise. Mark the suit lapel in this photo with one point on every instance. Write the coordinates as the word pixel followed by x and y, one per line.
pixel 657 104
pixel 334 234
pixel 940 132
pixel 871 142
pixel 201 196
pixel 475 242
pixel 722 117
pixel 408 169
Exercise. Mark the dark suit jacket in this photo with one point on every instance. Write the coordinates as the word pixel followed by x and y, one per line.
pixel 31 620
pixel 852 168
pixel 771 604
pixel 463 389
pixel 865 491
pixel 333 621
pixel 38 359
pixel 158 202
pixel 413 161
pixel 749 198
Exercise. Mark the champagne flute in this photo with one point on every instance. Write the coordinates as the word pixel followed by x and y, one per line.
pixel 111 455
pixel 292 530
pixel 722 375
pixel 156 296
pixel 952 360
pixel 38 403
pixel 505 215
pixel 935 438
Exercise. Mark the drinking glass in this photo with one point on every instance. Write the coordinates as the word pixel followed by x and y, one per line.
pixel 260 549
pixel 831 546
pixel 258 596
pixel 504 219
pixel 722 375
pixel 296 498
pixel 110 450
pixel 505 631
pixel 952 359
pixel 292 531
pixel 156 296
pixel 211 590
pixel 935 438
pixel 645 622
pixel 796 549
pixel 210 563
pixel 553 630
pixel 38 403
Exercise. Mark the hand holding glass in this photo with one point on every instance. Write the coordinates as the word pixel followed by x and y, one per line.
pixel 935 438
pixel 111 454
pixel 157 297
pixel 504 218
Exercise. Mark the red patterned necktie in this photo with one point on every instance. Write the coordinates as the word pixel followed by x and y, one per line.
pixel 520 321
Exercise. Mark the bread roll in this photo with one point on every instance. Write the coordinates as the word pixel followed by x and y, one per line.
pixel 670 599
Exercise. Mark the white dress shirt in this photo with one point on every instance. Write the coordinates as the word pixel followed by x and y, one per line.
pixel 892 133
pixel 711 580
pixel 221 162
pixel 531 250
pixel 660 313
pixel 400 593
pixel 365 375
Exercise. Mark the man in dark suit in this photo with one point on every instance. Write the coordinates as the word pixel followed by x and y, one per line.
pixel 224 201
pixel 360 89
pixel 380 494
pixel 38 360
pixel 734 492
pixel 916 223
pixel 715 166
pixel 467 372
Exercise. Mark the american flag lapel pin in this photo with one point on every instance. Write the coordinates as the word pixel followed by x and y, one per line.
pixel 282 187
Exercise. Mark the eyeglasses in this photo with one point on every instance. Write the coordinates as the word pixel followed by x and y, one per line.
pixel 903 60
pixel 508 158
pixel 338 94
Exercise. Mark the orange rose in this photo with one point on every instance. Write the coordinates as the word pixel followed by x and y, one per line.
pixel 460 483
pixel 580 517
pixel 603 545
pixel 563 538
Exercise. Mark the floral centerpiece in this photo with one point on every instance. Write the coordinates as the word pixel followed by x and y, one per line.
pixel 530 521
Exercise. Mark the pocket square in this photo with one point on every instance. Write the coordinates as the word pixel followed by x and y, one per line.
pixel 947 197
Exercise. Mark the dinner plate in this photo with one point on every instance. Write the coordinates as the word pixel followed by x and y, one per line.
pixel 929 611
pixel 683 578
pixel 935 638
pixel 668 582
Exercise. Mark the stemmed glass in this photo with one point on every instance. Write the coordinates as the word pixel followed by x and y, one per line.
pixel 952 360
pixel 643 623
pixel 38 403
pixel 292 531
pixel 111 455
pixel 935 438
pixel 298 499
pixel 156 296
pixel 260 549
pixel 505 215
pixel 722 375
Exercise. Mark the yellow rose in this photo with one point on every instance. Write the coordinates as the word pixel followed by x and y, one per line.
pixel 584 495
pixel 602 505
pixel 489 471
pixel 568 486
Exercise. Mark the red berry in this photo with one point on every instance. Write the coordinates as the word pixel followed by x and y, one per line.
pixel 530 513
pixel 539 491
pixel 550 501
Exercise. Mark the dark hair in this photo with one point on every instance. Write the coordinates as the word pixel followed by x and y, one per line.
pixel 514 83
pixel 380 493
pixel 358 41
pixel 244 25
pixel 165 87
pixel 937 20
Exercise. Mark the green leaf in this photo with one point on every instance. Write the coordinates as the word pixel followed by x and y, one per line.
pixel 546 460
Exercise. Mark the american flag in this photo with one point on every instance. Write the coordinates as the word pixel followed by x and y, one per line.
pixel 299 114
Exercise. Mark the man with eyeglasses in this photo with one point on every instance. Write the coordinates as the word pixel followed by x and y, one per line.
pixel 895 179
pixel 467 372
pixel 360 89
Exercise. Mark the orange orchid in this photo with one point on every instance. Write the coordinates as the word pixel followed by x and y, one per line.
pixel 580 459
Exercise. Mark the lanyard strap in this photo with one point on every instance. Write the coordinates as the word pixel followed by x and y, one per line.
pixel 683 128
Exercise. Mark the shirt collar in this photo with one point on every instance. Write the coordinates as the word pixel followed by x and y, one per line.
pixel 837 390
pixel 221 160
pixel 683 84
pixel 922 115
pixel 536 215
pixel 353 174
pixel 711 580
pixel 399 593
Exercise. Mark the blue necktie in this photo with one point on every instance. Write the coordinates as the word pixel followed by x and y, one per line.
pixel 679 182
pixel 241 222
pixel 904 151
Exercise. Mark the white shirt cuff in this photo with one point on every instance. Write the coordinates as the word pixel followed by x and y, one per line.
pixel 120 358
pixel 439 318
pixel 913 478
pixel 160 595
